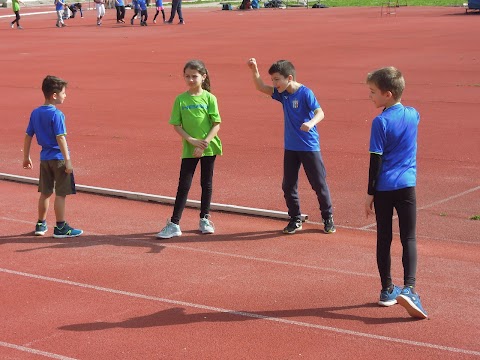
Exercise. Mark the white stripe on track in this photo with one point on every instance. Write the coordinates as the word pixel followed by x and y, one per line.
pixel 248 314
pixel 34 351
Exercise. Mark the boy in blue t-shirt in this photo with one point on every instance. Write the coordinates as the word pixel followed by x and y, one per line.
pixel 302 113
pixel 47 123
pixel 391 184
pixel 143 12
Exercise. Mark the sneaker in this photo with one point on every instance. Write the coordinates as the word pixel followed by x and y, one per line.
pixel 131 21
pixel 63 25
pixel 41 229
pixel 19 27
pixel 145 23
pixel 154 21
pixel 389 298
pixel 206 226
pixel 328 225
pixel 66 231
pixel 181 22
pixel 411 301
pixel 12 25
pixel 170 230
pixel 57 25
pixel 293 226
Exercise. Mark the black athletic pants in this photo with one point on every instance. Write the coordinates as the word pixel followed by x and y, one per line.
pixel 313 165
pixel 404 201
pixel 120 12
pixel 187 170
pixel 17 18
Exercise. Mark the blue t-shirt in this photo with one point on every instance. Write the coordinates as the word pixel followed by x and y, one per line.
pixel 120 3
pixel 142 4
pixel 59 6
pixel 135 4
pixel 394 137
pixel 47 122
pixel 159 3
pixel 297 109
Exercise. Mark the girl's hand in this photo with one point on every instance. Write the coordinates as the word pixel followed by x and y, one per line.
pixel 202 144
pixel 369 206
pixel 198 152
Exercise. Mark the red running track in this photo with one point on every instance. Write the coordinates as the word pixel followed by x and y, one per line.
pixel 247 292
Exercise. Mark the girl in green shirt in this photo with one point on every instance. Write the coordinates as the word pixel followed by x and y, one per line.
pixel 16 10
pixel 196 119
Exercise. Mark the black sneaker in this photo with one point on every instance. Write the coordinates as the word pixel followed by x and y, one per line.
pixel 329 226
pixel 293 226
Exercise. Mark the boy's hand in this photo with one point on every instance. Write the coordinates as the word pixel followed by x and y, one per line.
pixel 68 166
pixel 198 152
pixel 306 126
pixel 27 163
pixel 369 206
pixel 252 64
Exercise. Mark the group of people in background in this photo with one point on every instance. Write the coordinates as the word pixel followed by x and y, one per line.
pixel 140 7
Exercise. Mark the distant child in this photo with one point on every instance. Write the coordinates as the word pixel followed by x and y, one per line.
pixel 74 8
pixel 159 5
pixel 196 119
pixel 59 7
pixel 16 10
pixel 143 12
pixel 47 123
pixel 120 7
pixel 100 6
pixel 66 12
pixel 136 10
pixel 302 113
pixel 391 184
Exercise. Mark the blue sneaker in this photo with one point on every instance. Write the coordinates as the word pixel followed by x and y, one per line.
pixel 41 229
pixel 411 301
pixel 389 298
pixel 66 231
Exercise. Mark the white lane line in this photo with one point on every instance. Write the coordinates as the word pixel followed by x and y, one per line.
pixel 366 227
pixel 34 351
pixel 247 314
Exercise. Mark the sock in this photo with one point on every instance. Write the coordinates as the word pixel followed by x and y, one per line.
pixel 60 224
pixel 44 222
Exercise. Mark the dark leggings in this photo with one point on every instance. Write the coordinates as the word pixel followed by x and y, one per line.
pixel 314 168
pixel 187 170
pixel 156 14
pixel 17 18
pixel 404 201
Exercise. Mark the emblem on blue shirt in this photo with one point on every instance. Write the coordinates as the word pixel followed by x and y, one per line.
pixel 295 104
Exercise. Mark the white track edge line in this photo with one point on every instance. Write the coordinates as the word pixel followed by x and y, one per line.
pixel 247 314
pixel 34 351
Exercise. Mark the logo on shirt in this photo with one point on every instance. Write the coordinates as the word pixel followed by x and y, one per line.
pixel 295 104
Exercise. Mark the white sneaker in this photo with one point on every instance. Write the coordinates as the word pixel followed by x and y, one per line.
pixel 206 226
pixel 170 230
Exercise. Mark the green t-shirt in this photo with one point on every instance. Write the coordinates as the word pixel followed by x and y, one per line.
pixel 196 115
pixel 15 5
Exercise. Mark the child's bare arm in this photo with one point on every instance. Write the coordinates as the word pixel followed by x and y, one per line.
pixel 27 161
pixel 62 143
pixel 257 80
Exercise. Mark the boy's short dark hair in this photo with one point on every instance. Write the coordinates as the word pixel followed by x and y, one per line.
pixel 52 84
pixel 388 79
pixel 283 67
